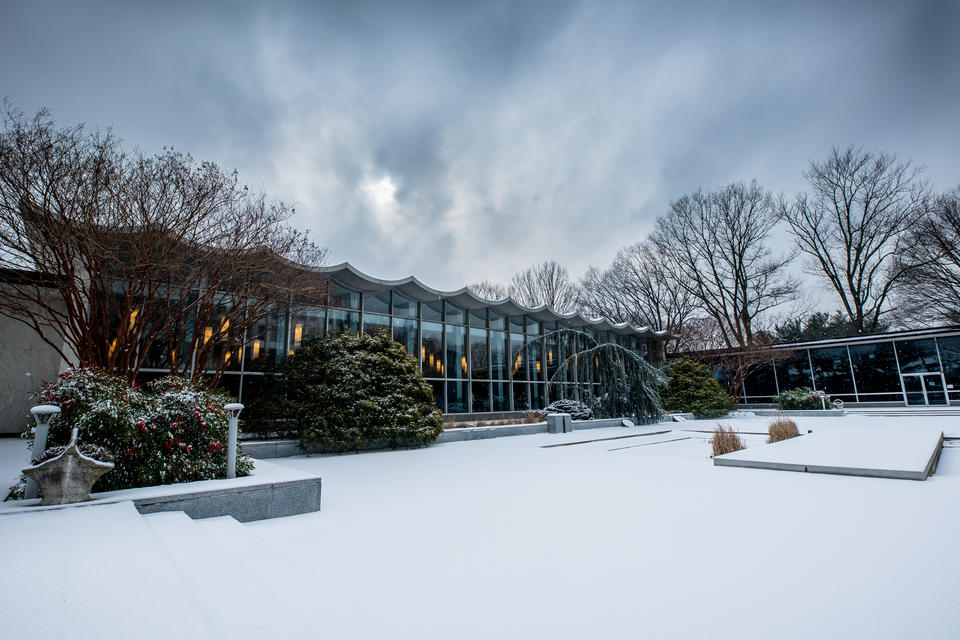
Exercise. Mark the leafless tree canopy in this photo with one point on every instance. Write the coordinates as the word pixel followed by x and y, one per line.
pixel 111 256
pixel 851 225
pixel 490 290
pixel 547 283
pixel 639 288
pixel 716 245
pixel 930 291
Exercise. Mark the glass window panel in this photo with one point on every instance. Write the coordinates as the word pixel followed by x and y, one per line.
pixel 457 396
pixel 793 372
pixel 267 340
pixel 521 401
pixel 537 398
pixel 535 354
pixel 498 355
pixel 432 310
pixel 552 355
pixel 875 368
pixel 376 302
pixel 497 321
pixel 344 298
pixel 438 389
pixel 479 362
pixel 403 306
pixel 478 318
pixel 455 314
pixel 831 370
pixel 431 350
pixel 518 357
pixel 917 356
pixel 533 327
pixel 457 348
pixel 516 324
pixel 501 395
pixel 913 385
pixel 950 357
pixel 339 321
pixel 881 397
pixel 481 397
pixel 761 382
pixel 374 323
pixel 405 332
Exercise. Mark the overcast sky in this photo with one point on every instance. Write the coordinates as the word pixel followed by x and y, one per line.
pixel 459 142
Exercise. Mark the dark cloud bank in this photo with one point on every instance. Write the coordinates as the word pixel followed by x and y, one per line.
pixel 463 142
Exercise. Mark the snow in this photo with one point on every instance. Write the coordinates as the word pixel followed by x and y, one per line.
pixel 90 572
pixel 505 538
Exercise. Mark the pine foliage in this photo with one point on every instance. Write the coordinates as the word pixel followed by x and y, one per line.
pixel 694 389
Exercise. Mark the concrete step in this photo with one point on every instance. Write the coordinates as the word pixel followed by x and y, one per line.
pixel 234 599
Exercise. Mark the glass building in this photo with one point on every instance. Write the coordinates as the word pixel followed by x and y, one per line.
pixel 480 356
pixel 920 367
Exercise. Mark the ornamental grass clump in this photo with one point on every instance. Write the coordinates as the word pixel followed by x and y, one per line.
pixel 782 429
pixel 726 440
pixel 170 431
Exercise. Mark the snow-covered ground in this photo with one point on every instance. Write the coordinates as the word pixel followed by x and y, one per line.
pixel 504 538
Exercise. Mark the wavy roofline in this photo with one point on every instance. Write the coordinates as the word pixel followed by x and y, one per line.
pixel 467 299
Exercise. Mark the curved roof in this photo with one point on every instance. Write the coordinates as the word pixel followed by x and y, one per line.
pixel 352 278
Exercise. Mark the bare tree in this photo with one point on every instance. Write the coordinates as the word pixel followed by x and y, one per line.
pixel 852 223
pixel 716 243
pixel 929 293
pixel 639 288
pixel 547 283
pixel 490 290
pixel 112 257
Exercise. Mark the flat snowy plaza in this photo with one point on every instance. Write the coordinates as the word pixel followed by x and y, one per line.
pixel 636 537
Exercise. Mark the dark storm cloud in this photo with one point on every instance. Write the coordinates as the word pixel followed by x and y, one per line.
pixel 460 142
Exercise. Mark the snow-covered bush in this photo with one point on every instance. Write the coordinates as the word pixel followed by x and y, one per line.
pixel 694 389
pixel 171 431
pixel 577 410
pixel 782 429
pixel 803 398
pixel 349 393
pixel 725 440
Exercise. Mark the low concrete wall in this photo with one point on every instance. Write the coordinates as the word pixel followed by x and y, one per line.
pixel 246 503
pixel 266 449
pixel 811 413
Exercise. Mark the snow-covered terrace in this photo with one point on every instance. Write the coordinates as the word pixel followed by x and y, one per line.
pixel 504 538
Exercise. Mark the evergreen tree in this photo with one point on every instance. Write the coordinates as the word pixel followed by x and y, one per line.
pixel 694 389
pixel 349 392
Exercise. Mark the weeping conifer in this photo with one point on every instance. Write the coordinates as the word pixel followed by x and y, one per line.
pixel 610 379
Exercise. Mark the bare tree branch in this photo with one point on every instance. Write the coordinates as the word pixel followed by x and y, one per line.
pixel 852 223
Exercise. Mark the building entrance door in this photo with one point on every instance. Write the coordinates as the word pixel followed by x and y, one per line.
pixel 925 388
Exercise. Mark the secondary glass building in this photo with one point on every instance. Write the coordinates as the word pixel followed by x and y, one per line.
pixel 480 356
pixel 920 367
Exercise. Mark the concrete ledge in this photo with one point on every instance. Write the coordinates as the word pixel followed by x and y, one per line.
pixel 905 454
pixel 482 433
pixel 246 503
pixel 266 449
pixel 810 413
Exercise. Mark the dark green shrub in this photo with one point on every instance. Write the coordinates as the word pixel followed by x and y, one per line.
pixel 349 393
pixel 803 398
pixel 694 389
pixel 169 432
